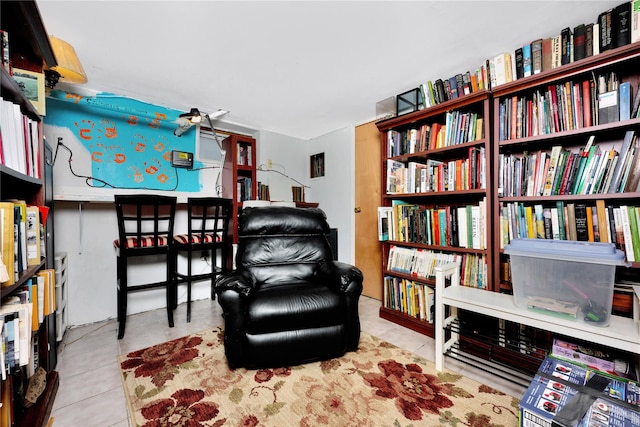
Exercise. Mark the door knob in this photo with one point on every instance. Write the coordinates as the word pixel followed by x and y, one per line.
pixel 357 210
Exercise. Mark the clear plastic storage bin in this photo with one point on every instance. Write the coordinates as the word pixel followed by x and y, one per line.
pixel 565 278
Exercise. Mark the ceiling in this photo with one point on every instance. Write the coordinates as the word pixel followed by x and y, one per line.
pixel 298 68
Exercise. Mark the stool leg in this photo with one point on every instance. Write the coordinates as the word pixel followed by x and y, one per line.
pixel 214 258
pixel 189 256
pixel 169 290
pixel 122 294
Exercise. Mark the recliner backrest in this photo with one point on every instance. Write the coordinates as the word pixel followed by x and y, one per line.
pixel 280 244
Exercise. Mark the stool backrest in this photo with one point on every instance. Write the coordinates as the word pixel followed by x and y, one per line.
pixel 209 216
pixel 145 220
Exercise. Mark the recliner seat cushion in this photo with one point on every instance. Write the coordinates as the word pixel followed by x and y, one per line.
pixel 294 306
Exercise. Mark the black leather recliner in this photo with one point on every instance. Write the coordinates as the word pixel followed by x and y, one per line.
pixel 287 302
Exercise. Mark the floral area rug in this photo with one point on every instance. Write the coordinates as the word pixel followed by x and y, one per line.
pixel 186 382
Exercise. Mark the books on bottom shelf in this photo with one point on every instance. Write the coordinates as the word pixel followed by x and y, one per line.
pixel 412 298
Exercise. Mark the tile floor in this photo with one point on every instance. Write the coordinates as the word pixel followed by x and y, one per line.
pixel 91 393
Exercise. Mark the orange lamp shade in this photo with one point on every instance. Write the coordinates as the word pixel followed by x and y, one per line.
pixel 69 66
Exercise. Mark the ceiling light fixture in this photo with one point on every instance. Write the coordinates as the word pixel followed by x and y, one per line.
pixel 68 67
pixel 186 120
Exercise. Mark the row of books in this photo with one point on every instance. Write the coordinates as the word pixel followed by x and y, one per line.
pixel 442 90
pixel 598 222
pixel 21 314
pixel 458 128
pixel 244 154
pixel 435 175
pixel 263 191
pixel 610 167
pixel 567 106
pixel 613 28
pixel 22 238
pixel 297 193
pixel 416 262
pixel 18 140
pixel 456 226
pixel 410 297
pixel 244 188
pixel 420 263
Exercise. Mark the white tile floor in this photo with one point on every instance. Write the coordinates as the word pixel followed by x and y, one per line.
pixel 91 392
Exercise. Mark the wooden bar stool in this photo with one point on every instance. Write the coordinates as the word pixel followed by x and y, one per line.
pixel 208 230
pixel 145 227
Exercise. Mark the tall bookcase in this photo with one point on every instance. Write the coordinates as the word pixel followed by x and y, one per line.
pixel 239 174
pixel 517 135
pixel 30 48
pixel 435 187
pixel 577 130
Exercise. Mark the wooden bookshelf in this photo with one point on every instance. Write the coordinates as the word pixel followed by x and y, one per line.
pixel 625 63
pixel 239 181
pixel 473 191
pixel 30 49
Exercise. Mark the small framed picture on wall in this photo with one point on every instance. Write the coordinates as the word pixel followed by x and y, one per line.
pixel 32 85
pixel 316 166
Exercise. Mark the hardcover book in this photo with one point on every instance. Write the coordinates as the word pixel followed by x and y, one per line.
pixel 605 41
pixel 579 50
pixel 566 46
pixel 580 215
pixel 536 56
pixel 608 107
pixel 635 21
pixel 526 60
pixel 519 56
pixel 588 40
pixel 625 101
pixel 622 25
pixel 546 53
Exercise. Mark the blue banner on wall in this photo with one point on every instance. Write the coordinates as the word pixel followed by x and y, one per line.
pixel 129 141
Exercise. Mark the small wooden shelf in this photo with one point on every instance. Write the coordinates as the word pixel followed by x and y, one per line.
pixel 402 319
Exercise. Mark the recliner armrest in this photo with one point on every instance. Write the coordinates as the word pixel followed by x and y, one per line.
pixel 239 282
pixel 341 276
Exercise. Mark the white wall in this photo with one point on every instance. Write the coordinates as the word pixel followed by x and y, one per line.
pixel 335 190
pixel 287 155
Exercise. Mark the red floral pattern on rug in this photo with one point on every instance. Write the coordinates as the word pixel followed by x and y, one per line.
pixel 162 362
pixel 183 409
pixel 186 382
pixel 411 389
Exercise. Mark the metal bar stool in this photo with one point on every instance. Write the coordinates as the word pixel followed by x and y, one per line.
pixel 145 227
pixel 208 230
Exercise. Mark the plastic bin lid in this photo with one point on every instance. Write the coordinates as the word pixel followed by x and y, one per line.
pixel 567 250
